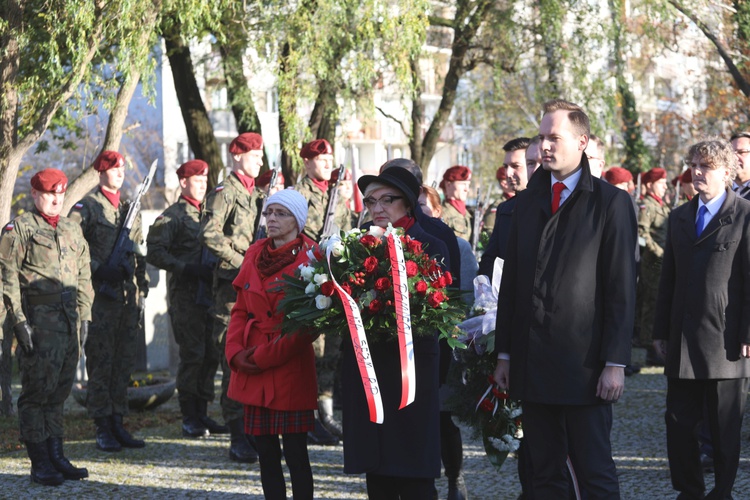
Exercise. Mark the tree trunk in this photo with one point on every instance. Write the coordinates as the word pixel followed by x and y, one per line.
pixel 417 115
pixel 552 15
pixel 323 118
pixel 287 107
pixel 200 132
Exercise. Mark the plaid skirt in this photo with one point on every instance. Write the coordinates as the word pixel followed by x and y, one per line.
pixel 260 421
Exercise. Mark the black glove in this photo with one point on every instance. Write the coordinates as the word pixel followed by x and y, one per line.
pixel 23 334
pixel 109 273
pixel 84 332
pixel 200 271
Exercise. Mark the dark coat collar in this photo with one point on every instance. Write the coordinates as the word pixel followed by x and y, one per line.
pixel 724 217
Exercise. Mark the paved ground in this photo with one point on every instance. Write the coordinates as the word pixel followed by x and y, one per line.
pixel 172 467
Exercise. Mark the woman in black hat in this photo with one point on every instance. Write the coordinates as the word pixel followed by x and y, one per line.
pixel 401 456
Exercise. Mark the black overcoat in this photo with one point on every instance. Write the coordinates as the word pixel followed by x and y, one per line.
pixel 407 443
pixel 567 298
pixel 703 305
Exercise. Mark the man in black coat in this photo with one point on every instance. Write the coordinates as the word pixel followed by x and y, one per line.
pixel 566 310
pixel 702 322
pixel 741 145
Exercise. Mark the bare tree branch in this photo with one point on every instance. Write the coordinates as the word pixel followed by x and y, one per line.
pixel 391 117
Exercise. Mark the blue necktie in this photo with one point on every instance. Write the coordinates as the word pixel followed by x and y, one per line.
pixel 700 222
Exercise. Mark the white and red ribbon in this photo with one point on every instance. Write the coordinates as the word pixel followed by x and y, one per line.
pixel 361 349
pixel 403 320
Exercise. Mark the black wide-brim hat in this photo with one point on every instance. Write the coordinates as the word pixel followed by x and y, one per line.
pixel 397 177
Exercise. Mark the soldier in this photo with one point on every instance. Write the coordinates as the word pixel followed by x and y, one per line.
pixel 455 186
pixel 111 345
pixel 174 245
pixel 318 158
pixel 652 232
pixel 47 283
pixel 263 180
pixel 227 228
pixel 687 190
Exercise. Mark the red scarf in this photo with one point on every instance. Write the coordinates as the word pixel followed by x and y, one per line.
pixel 405 222
pixel 246 181
pixel 661 202
pixel 272 260
pixel 322 185
pixel 458 205
pixel 114 198
pixel 52 221
pixel 191 201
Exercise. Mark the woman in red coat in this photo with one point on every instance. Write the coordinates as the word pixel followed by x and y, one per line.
pixel 274 376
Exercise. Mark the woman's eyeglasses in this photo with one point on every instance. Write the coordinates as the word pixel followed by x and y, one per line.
pixel 385 201
pixel 278 213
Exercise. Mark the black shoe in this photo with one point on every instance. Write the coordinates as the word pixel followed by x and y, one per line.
pixel 457 488
pixel 62 464
pixel 194 428
pixel 325 414
pixel 212 425
pixel 707 463
pixel 105 440
pixel 240 449
pixel 42 470
pixel 123 436
pixel 321 436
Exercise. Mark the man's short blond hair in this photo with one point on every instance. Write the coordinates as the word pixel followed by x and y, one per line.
pixel 576 115
pixel 716 153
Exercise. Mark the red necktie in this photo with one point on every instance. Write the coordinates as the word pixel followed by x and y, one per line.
pixel 557 189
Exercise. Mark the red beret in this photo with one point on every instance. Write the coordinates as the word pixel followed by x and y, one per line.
pixel 335 175
pixel 455 173
pixel 618 175
pixel 653 175
pixel 249 141
pixel 262 180
pixel 107 160
pixel 315 148
pixel 191 168
pixel 50 180
pixel 685 178
pixel 502 173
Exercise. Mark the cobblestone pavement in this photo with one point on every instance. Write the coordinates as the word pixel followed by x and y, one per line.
pixel 172 467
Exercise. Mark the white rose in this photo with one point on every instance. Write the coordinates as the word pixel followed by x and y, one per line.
pixel 338 249
pixel 377 231
pixel 319 279
pixel 323 302
pixel 310 289
pixel 306 272
pixel 354 232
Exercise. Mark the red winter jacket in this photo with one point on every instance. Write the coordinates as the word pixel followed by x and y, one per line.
pixel 288 380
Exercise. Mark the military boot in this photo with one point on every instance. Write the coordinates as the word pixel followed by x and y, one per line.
pixel 105 440
pixel 191 421
pixel 212 425
pixel 321 436
pixel 42 471
pixel 240 449
pixel 123 436
pixel 325 412
pixel 61 463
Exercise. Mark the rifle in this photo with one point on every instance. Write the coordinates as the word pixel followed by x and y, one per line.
pixel 333 199
pixel 637 190
pixel 124 245
pixel 260 232
pixel 479 215
pixel 677 195
pixel 204 297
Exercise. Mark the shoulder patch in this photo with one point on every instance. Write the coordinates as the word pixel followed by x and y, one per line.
pixel 9 226
pixel 219 188
pixel 160 217
pixel 78 205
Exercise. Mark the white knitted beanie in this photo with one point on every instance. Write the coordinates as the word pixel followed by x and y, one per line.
pixel 292 201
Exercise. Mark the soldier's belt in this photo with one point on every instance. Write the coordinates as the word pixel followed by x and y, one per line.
pixel 50 298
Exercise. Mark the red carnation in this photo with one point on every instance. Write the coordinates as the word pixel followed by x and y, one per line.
pixel 440 282
pixel 448 277
pixel 486 405
pixel 346 288
pixel 435 298
pixel 327 288
pixel 370 264
pixel 375 306
pixel 420 287
pixel 369 240
pixel 499 393
pixel 411 268
pixel 414 246
pixel 382 284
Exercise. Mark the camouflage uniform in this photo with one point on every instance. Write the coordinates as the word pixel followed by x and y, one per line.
pixel 227 229
pixel 111 345
pixel 652 231
pixel 173 241
pixel 326 353
pixel 47 283
pixel 462 225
